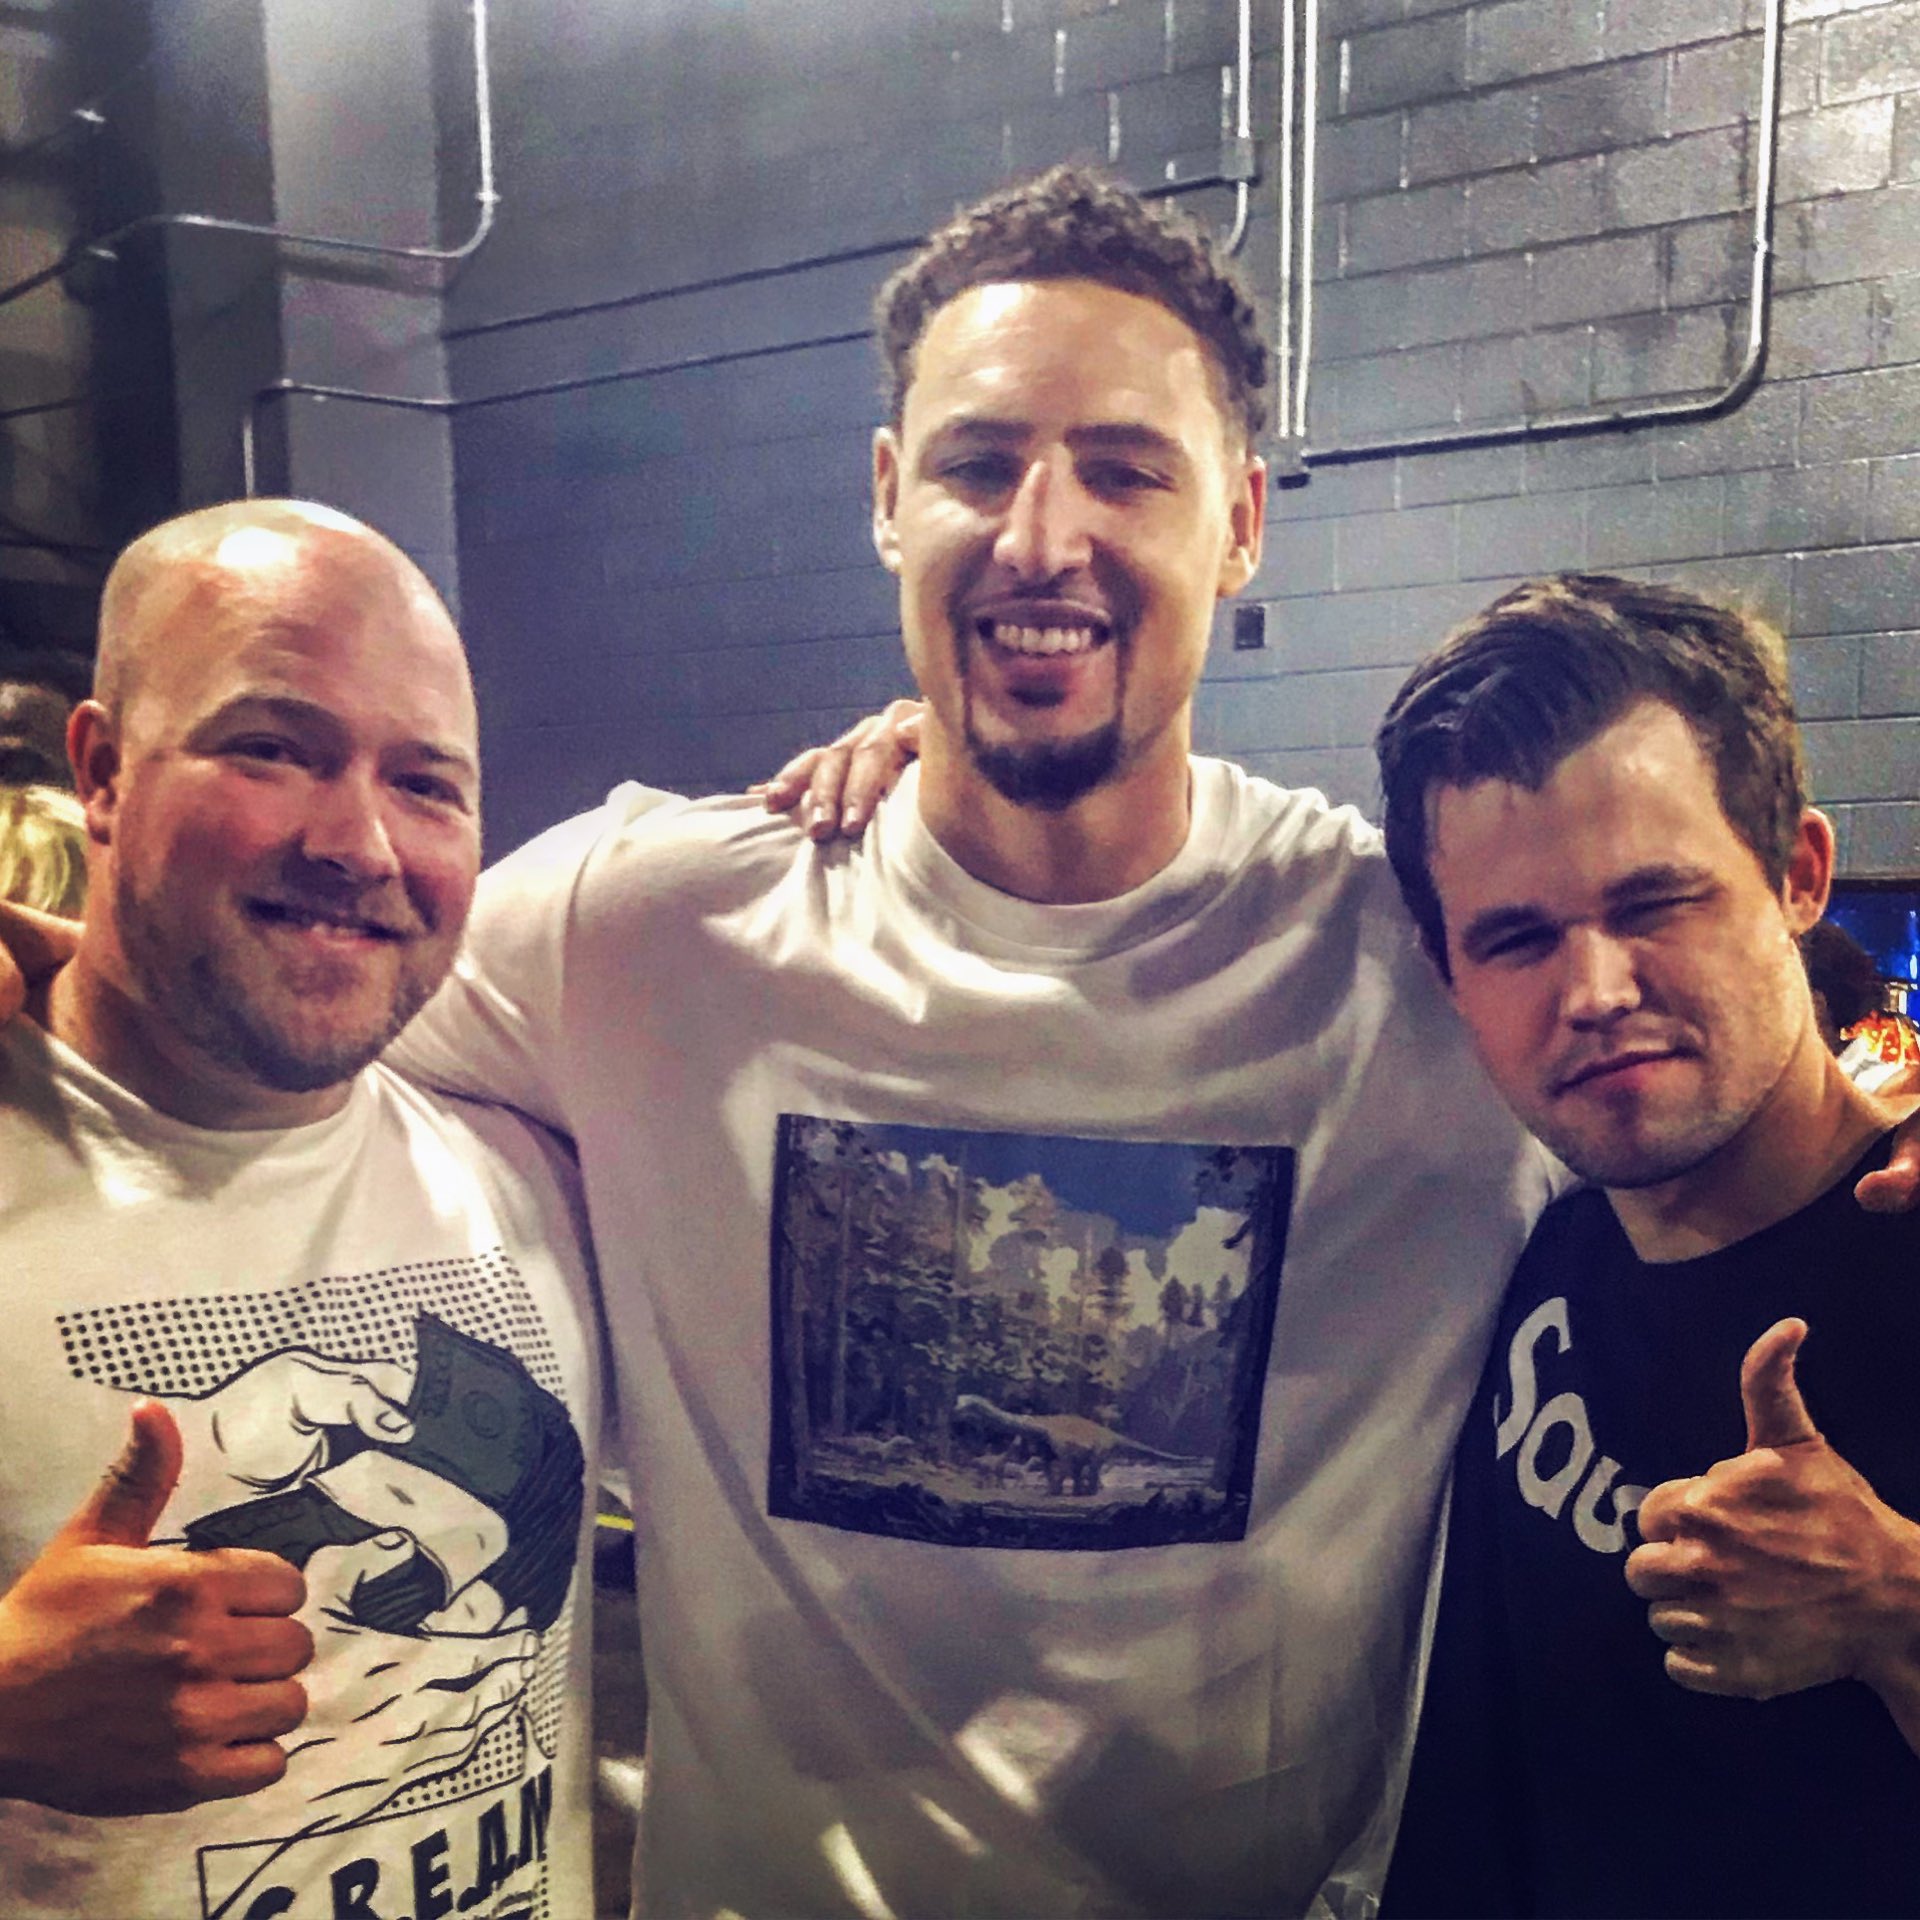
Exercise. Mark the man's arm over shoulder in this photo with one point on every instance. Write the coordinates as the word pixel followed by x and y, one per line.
pixel 494 1031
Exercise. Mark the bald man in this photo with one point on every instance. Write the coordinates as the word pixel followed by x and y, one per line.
pixel 324 1616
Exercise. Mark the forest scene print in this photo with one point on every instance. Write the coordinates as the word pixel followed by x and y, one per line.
pixel 1014 1340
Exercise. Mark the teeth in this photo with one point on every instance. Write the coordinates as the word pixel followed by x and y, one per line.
pixel 305 920
pixel 1041 640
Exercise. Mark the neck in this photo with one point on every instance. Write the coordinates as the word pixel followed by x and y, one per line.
pixel 104 1021
pixel 1810 1130
pixel 1105 844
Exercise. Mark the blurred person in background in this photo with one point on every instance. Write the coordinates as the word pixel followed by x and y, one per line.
pixel 39 688
pixel 43 850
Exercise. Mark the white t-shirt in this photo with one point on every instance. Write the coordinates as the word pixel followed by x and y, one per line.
pixel 376 1335
pixel 1040 1333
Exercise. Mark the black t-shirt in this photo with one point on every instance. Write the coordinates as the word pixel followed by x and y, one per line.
pixel 1558 1771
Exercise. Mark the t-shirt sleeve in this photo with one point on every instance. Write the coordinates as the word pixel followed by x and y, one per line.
pixel 494 1031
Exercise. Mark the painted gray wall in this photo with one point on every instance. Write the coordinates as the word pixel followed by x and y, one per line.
pixel 1524 201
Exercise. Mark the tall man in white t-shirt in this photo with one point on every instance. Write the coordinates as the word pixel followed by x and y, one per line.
pixel 325 1619
pixel 1048 1245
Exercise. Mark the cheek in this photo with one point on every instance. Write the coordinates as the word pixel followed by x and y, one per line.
pixel 440 877
pixel 1505 1020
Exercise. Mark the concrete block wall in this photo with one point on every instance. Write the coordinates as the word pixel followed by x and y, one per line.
pixel 1539 204
pixel 673 577
pixel 1524 205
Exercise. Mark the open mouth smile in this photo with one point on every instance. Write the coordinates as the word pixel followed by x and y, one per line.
pixel 1042 641
pixel 318 920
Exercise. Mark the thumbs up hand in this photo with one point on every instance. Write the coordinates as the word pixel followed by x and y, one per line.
pixel 1781 1568
pixel 143 1679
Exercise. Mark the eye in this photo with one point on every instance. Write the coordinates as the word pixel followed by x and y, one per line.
pixel 1644 916
pixel 1522 947
pixel 1116 479
pixel 266 750
pixel 435 789
pixel 981 472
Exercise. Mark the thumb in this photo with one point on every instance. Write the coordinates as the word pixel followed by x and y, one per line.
pixel 1776 1414
pixel 122 1509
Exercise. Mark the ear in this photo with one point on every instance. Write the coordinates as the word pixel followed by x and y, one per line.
pixel 886 497
pixel 93 745
pixel 1809 872
pixel 1246 528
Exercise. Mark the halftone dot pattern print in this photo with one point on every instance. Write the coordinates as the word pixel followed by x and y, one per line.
pixel 192 1345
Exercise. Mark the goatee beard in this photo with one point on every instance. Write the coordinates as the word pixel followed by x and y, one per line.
pixel 1048 775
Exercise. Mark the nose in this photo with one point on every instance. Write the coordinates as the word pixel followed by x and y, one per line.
pixel 1602 981
pixel 1045 534
pixel 347 830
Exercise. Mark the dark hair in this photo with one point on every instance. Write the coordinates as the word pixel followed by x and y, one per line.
pixel 68 674
pixel 1072 223
pixel 1841 971
pixel 1538 674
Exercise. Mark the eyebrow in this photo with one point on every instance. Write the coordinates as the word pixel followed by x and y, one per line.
pixel 1484 929
pixel 292 711
pixel 1118 436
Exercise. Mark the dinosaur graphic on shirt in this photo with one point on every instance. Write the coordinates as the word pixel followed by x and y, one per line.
pixel 1072 1450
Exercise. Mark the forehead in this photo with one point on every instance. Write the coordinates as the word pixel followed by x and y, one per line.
pixel 1041 350
pixel 1641 793
pixel 347 633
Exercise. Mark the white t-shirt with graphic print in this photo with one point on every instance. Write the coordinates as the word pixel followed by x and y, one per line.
pixel 1040 1335
pixel 376 1335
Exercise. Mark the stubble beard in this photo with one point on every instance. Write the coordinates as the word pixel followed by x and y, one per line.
pixel 212 1005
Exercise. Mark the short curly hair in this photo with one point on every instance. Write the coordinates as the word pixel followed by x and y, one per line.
pixel 1073 223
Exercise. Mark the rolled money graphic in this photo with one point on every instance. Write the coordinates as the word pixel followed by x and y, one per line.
pixel 492 1483
pixel 295 1525
pixel 484 1423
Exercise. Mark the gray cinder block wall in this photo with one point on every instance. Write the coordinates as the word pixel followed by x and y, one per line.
pixel 1525 204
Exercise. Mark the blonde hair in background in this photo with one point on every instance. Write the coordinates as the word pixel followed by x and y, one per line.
pixel 43 850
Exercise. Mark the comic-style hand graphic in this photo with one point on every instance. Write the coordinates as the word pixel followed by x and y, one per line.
pixel 1781 1568
pixel 143 1679
pixel 267 1429
pixel 388 1709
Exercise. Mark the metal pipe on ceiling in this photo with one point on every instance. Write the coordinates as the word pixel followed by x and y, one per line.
pixel 101 246
pixel 1659 411
pixel 281 389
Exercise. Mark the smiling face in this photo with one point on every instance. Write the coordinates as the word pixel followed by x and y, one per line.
pixel 1063 502
pixel 286 810
pixel 1629 976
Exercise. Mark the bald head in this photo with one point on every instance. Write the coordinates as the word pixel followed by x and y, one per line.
pixel 275 556
pixel 280 776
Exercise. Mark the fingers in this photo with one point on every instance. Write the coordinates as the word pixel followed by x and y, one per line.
pixel 260 1650
pixel 877 761
pixel 255 1584
pixel 1776 1414
pixel 1896 1188
pixel 227 1772
pixel 785 788
pixel 222 1713
pixel 1661 1571
pixel 368 1395
pixel 1659 1517
pixel 123 1507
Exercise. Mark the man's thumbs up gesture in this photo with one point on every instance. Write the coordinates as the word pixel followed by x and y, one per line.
pixel 1781 1568
pixel 142 1679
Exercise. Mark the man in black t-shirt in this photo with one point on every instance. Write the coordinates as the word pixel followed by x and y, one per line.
pixel 1597 811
